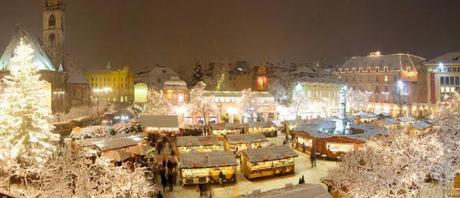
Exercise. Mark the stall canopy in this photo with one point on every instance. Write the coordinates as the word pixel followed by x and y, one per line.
pixel 269 153
pixel 297 191
pixel 118 156
pixel 245 138
pixel 208 160
pixel 184 141
pixel 160 122
pixel 112 142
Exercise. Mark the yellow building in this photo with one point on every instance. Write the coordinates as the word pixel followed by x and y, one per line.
pixel 118 84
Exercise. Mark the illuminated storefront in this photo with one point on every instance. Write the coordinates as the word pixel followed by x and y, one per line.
pixel 186 144
pixel 210 167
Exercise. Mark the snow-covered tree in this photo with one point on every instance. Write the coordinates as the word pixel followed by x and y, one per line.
pixel 25 133
pixel 358 100
pixel 249 104
pixel 281 91
pixel 199 104
pixel 198 74
pixel 72 173
pixel 157 104
pixel 299 100
pixel 397 165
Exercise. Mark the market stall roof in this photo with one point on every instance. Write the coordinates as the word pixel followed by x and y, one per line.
pixel 269 153
pixel 198 141
pixel 112 142
pixel 208 160
pixel 421 125
pixel 297 191
pixel 245 138
pixel 159 121
pixel 389 122
pixel 406 119
pixel 365 115
pixel 260 124
pixel 116 155
pixel 360 131
pixel 227 126
pixel 140 149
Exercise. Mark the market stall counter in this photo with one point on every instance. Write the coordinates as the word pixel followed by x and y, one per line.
pixel 240 142
pixel 269 129
pixel 267 161
pixel 186 144
pixel 211 167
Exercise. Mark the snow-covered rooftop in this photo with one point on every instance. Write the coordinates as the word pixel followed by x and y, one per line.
pixel 155 76
pixel 75 74
pixel 174 81
pixel 421 125
pixel 448 58
pixel 40 59
pixel 392 61
pixel 317 127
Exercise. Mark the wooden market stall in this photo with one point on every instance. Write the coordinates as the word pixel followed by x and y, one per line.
pixel 241 142
pixel 267 161
pixel 163 124
pixel 186 144
pixel 209 167
pixel 227 128
pixel 116 148
pixel 302 141
pixel 269 129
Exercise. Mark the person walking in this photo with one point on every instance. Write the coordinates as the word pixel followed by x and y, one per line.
pixel 313 160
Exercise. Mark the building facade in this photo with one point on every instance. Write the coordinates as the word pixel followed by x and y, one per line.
pixel 443 77
pixel 228 104
pixel 119 82
pixel 175 91
pixel 397 82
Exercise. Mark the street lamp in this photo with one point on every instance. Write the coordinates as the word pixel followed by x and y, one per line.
pixel 400 88
pixel 98 92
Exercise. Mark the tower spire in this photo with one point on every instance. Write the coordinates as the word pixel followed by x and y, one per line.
pixel 53 31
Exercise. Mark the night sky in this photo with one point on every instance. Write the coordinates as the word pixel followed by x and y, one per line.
pixel 179 33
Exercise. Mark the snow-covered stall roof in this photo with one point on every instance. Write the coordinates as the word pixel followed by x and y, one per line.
pixel 260 124
pixel 421 125
pixel 198 141
pixel 227 125
pixel 361 131
pixel 159 121
pixel 365 115
pixel 40 59
pixel 208 159
pixel 448 58
pixel 112 142
pixel 392 61
pixel 293 191
pixel 245 138
pixel 406 119
pixel 269 153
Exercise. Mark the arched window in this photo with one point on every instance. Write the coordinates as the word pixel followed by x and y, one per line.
pixel 52 21
pixel 52 39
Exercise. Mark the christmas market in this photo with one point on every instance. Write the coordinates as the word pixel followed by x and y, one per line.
pixel 209 167
pixel 267 161
pixel 240 142
pixel 187 144
pixel 163 124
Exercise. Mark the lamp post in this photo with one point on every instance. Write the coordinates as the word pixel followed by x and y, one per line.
pixel 98 92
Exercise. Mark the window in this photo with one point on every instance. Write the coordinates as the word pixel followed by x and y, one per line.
pixel 442 80
pixel 52 21
pixel 452 80
pixel 52 39
pixel 376 69
pixel 386 78
pixel 376 79
pixel 447 80
pixel 377 89
pixel 457 82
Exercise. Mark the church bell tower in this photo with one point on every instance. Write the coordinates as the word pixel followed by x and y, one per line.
pixel 53 31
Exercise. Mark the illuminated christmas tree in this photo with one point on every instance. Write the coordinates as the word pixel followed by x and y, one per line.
pixel 25 133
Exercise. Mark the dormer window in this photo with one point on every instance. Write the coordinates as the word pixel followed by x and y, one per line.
pixel 376 69
pixel 353 70
pixel 385 69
